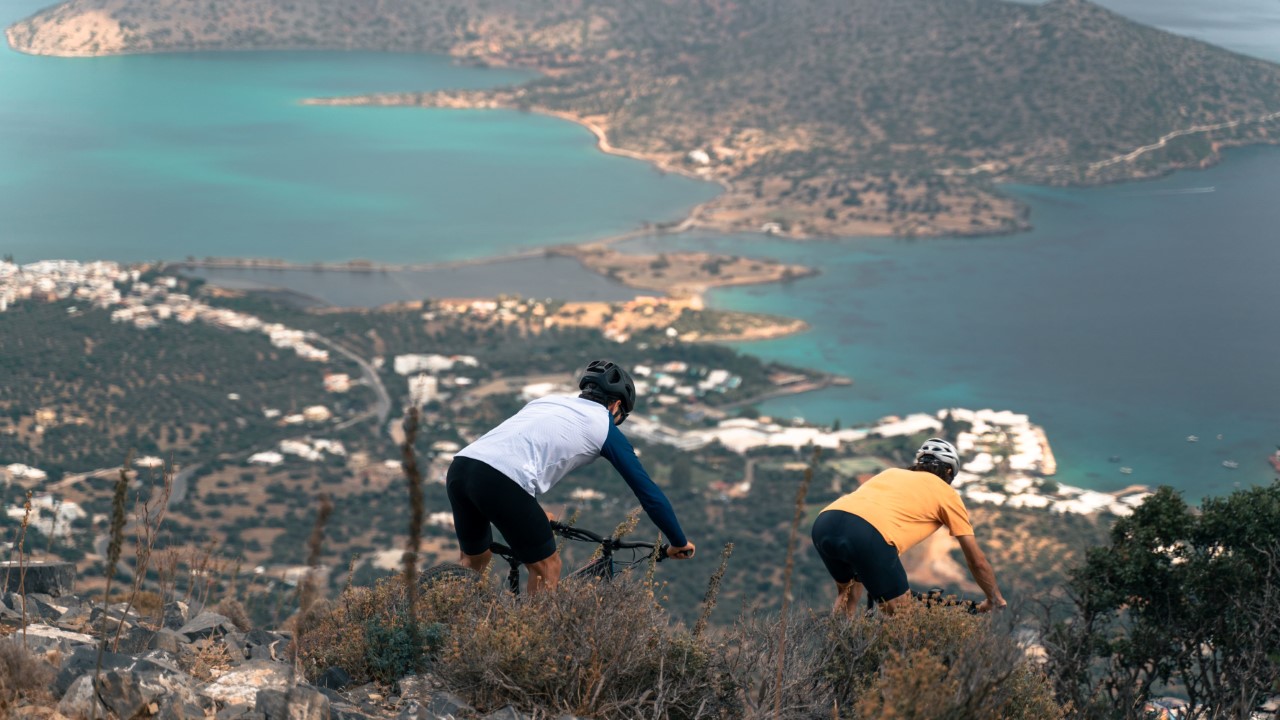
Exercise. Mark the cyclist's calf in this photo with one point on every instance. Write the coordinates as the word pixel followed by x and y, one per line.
pixel 477 563
pixel 544 574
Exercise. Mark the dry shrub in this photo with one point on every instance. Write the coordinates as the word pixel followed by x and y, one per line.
pixel 593 649
pixel 233 610
pixel 369 633
pixel 943 662
pixel 922 663
pixel 24 678
pixel 827 663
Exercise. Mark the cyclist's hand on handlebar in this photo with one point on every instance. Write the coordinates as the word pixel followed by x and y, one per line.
pixel 550 516
pixel 987 606
pixel 681 553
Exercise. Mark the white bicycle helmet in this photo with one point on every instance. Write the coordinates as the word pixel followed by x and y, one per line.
pixel 944 451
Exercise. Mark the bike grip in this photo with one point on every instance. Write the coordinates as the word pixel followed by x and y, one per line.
pixel 663 550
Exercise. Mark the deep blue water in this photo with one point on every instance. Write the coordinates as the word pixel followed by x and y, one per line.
pixel 1131 317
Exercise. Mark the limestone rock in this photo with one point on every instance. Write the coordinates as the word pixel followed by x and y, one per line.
pixel 124 693
pixel 241 685
pixel 449 706
pixel 207 624
pixel 43 638
pixel 176 614
pixel 83 660
pixel 297 703
pixel 80 700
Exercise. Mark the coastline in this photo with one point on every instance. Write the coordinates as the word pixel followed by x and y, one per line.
pixel 737 209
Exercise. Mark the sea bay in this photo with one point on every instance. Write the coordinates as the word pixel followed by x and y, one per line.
pixel 1131 317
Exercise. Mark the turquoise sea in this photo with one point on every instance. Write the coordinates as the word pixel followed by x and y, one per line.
pixel 1133 316
pixel 166 156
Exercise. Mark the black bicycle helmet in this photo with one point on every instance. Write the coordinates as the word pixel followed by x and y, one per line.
pixel 613 381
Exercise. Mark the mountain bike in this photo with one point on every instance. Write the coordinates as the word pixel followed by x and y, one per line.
pixel 604 567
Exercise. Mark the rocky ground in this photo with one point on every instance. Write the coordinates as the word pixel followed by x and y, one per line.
pixel 196 663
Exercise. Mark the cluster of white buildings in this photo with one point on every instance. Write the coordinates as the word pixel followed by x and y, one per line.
pixel 1007 458
pixel 52 517
pixel 311 450
pixel 147 304
pixel 669 384
pixel 424 372
pixel 52 280
pixel 23 474
pixel 503 309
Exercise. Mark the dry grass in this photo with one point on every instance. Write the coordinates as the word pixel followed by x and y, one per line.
pixel 24 679
pixel 592 649
pixel 922 663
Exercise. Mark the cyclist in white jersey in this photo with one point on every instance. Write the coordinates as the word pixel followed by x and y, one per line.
pixel 495 480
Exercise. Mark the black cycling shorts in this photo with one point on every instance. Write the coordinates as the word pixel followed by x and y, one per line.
pixel 852 549
pixel 481 495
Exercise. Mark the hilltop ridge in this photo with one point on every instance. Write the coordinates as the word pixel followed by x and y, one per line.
pixel 819 117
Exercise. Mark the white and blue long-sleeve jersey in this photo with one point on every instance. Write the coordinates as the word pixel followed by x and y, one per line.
pixel 553 436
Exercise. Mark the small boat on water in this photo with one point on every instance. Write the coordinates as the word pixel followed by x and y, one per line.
pixel 1230 464
pixel 1114 458
pixel 1193 438
pixel 1126 471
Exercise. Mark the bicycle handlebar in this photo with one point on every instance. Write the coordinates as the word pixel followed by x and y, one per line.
pixel 574 533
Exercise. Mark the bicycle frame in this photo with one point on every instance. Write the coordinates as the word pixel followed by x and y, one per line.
pixel 602 567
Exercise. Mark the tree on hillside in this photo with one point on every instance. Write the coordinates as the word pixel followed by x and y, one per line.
pixel 1183 601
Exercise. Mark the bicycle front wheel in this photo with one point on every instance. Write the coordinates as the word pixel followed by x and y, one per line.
pixel 446 573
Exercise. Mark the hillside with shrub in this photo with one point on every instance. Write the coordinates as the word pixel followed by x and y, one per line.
pixel 824 117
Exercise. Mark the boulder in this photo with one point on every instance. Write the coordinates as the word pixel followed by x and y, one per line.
pixel 334 678
pixel 49 578
pixel 43 638
pixel 174 709
pixel 296 703
pixel 124 693
pixel 112 618
pixel 166 640
pixel 83 660
pixel 241 685
pixel 176 614
pixel 264 645
pixel 237 646
pixel 448 706
pixel 36 606
pixel 81 701
pixel 207 624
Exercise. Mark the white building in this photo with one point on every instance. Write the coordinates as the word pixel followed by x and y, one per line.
pixel 423 388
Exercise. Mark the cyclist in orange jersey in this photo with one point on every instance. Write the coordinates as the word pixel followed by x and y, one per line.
pixel 861 535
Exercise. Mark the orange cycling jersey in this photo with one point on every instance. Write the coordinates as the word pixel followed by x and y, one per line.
pixel 907 506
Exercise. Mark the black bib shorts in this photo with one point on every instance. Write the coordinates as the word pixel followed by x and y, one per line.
pixel 852 549
pixel 482 496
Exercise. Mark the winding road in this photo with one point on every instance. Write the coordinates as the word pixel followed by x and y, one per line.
pixel 382 407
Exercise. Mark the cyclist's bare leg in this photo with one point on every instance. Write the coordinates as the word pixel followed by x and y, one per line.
pixel 893 605
pixel 847 596
pixel 544 574
pixel 476 562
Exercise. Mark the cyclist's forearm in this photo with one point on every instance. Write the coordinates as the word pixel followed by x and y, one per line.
pixel 982 574
pixel 655 503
